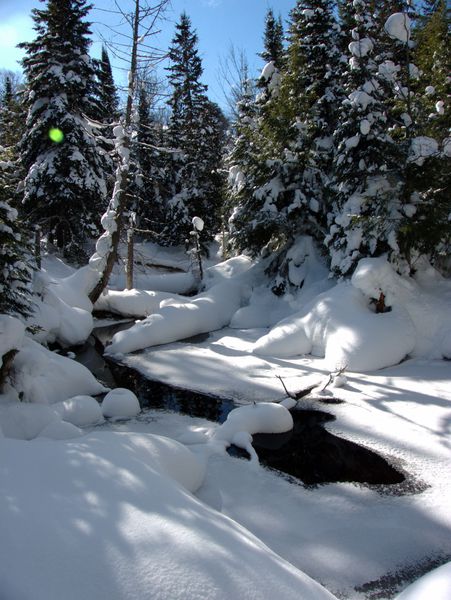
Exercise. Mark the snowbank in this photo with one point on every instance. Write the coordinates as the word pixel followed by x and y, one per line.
pixel 115 520
pixel 79 410
pixel 131 303
pixel 342 325
pixel 12 332
pixel 435 585
pixel 63 312
pixel 46 377
pixel 206 312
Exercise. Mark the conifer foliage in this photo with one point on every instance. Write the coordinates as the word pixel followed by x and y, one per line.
pixel 196 130
pixel 64 189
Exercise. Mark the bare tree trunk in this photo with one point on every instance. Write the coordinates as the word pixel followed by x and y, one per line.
pixel 123 171
pixel 130 259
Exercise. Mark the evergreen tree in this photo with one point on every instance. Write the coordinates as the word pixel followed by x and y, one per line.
pixel 64 189
pixel 273 40
pixel 367 184
pixel 149 161
pixel 427 230
pixel 15 259
pixel 193 190
pixel 105 92
pixel 294 140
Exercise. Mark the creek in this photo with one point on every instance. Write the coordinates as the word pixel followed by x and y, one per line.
pixel 308 452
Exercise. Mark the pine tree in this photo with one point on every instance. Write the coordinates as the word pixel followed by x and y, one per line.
pixel 192 131
pixel 64 189
pixel 367 181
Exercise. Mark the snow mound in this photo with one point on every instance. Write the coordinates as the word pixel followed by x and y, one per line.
pixel 263 417
pixel 435 585
pixel 46 377
pixel 24 421
pixel 342 325
pixel 63 314
pixel 242 422
pixel 113 507
pixel 120 403
pixel 80 410
pixel 60 430
pixel 206 312
pixel 12 332
pixel 131 303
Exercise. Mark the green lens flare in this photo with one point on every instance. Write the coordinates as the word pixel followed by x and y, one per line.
pixel 56 135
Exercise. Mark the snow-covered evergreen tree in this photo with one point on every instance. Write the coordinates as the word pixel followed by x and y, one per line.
pixel 15 259
pixel 427 230
pixel 105 91
pixel 148 157
pixel 193 129
pixel 367 182
pixel 294 139
pixel 64 189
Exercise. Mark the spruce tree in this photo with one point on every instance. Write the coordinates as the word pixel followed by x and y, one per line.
pixel 64 189
pixel 294 137
pixel 193 189
pixel 15 259
pixel 427 229
pixel 367 182
pixel 105 92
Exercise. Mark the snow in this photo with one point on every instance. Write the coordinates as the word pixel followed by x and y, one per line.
pixel 117 508
pixel 63 313
pixel 131 303
pixel 341 326
pixel 365 127
pixel 205 312
pixel 436 585
pixel 60 430
pixel 45 377
pixel 153 502
pixel 198 223
pixel 79 410
pixel 398 27
pixel 361 47
pixel 120 403
pixel 12 333
pixel 422 147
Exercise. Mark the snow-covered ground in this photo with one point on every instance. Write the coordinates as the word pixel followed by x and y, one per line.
pixel 96 502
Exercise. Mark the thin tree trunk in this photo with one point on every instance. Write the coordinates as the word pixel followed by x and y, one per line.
pixel 122 176
pixel 130 259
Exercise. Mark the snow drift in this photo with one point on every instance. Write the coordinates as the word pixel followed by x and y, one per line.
pixel 116 519
pixel 206 312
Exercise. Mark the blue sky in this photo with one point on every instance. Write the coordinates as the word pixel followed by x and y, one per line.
pixel 219 24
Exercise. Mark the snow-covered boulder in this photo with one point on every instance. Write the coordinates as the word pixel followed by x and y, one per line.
pixel 120 403
pixel 79 410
